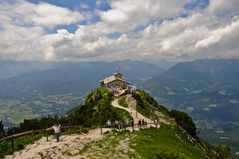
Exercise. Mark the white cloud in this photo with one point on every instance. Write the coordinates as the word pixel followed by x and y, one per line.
pixel 24 13
pixel 223 7
pixel 191 39
pixel 125 15
pixel 23 26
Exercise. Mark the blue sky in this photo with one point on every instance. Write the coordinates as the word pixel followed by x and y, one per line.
pixel 89 30
pixel 197 4
pixel 71 4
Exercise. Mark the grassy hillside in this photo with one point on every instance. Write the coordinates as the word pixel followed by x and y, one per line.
pixel 168 142
pixel 165 142
pixel 146 104
pixel 97 110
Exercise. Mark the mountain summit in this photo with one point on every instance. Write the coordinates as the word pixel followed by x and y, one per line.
pixel 129 125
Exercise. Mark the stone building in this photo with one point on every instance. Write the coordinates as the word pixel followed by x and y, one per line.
pixel 116 81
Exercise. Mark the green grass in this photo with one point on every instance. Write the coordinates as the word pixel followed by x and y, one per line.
pixel 146 144
pixel 122 102
pixel 162 143
pixel 76 130
pixel 147 105
pixel 147 109
pixel 122 114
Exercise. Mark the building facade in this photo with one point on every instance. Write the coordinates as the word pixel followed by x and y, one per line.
pixel 115 81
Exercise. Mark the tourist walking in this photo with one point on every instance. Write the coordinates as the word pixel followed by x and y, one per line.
pixel 139 123
pixel 57 129
pixel 145 124
pixel 132 124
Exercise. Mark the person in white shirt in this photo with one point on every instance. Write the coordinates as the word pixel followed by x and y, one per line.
pixel 108 123
pixel 57 130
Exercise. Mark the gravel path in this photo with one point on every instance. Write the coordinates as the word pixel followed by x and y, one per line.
pixel 136 115
pixel 52 149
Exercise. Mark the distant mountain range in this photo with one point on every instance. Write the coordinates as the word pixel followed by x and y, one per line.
pixel 58 78
pixel 225 71
pixel 11 68
pixel 207 85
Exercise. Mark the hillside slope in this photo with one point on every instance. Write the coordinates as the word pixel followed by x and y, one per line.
pixel 170 140
pixel 206 89
pixel 166 142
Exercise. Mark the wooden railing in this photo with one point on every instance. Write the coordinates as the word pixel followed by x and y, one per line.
pixel 32 133
pixel 45 131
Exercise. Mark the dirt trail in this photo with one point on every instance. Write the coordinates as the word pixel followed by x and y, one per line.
pixel 52 149
pixel 136 115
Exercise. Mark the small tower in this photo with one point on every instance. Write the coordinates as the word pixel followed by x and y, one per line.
pixel 118 75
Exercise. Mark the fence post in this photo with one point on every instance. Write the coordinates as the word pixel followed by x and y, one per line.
pixel 12 144
pixel 46 136
pixel 32 134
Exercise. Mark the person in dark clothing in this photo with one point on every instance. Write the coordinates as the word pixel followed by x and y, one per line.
pixel 142 123
pixel 132 124
pixel 139 123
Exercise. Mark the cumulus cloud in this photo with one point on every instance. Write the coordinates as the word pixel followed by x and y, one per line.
pixel 23 13
pixel 217 35
pixel 125 15
pixel 23 26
